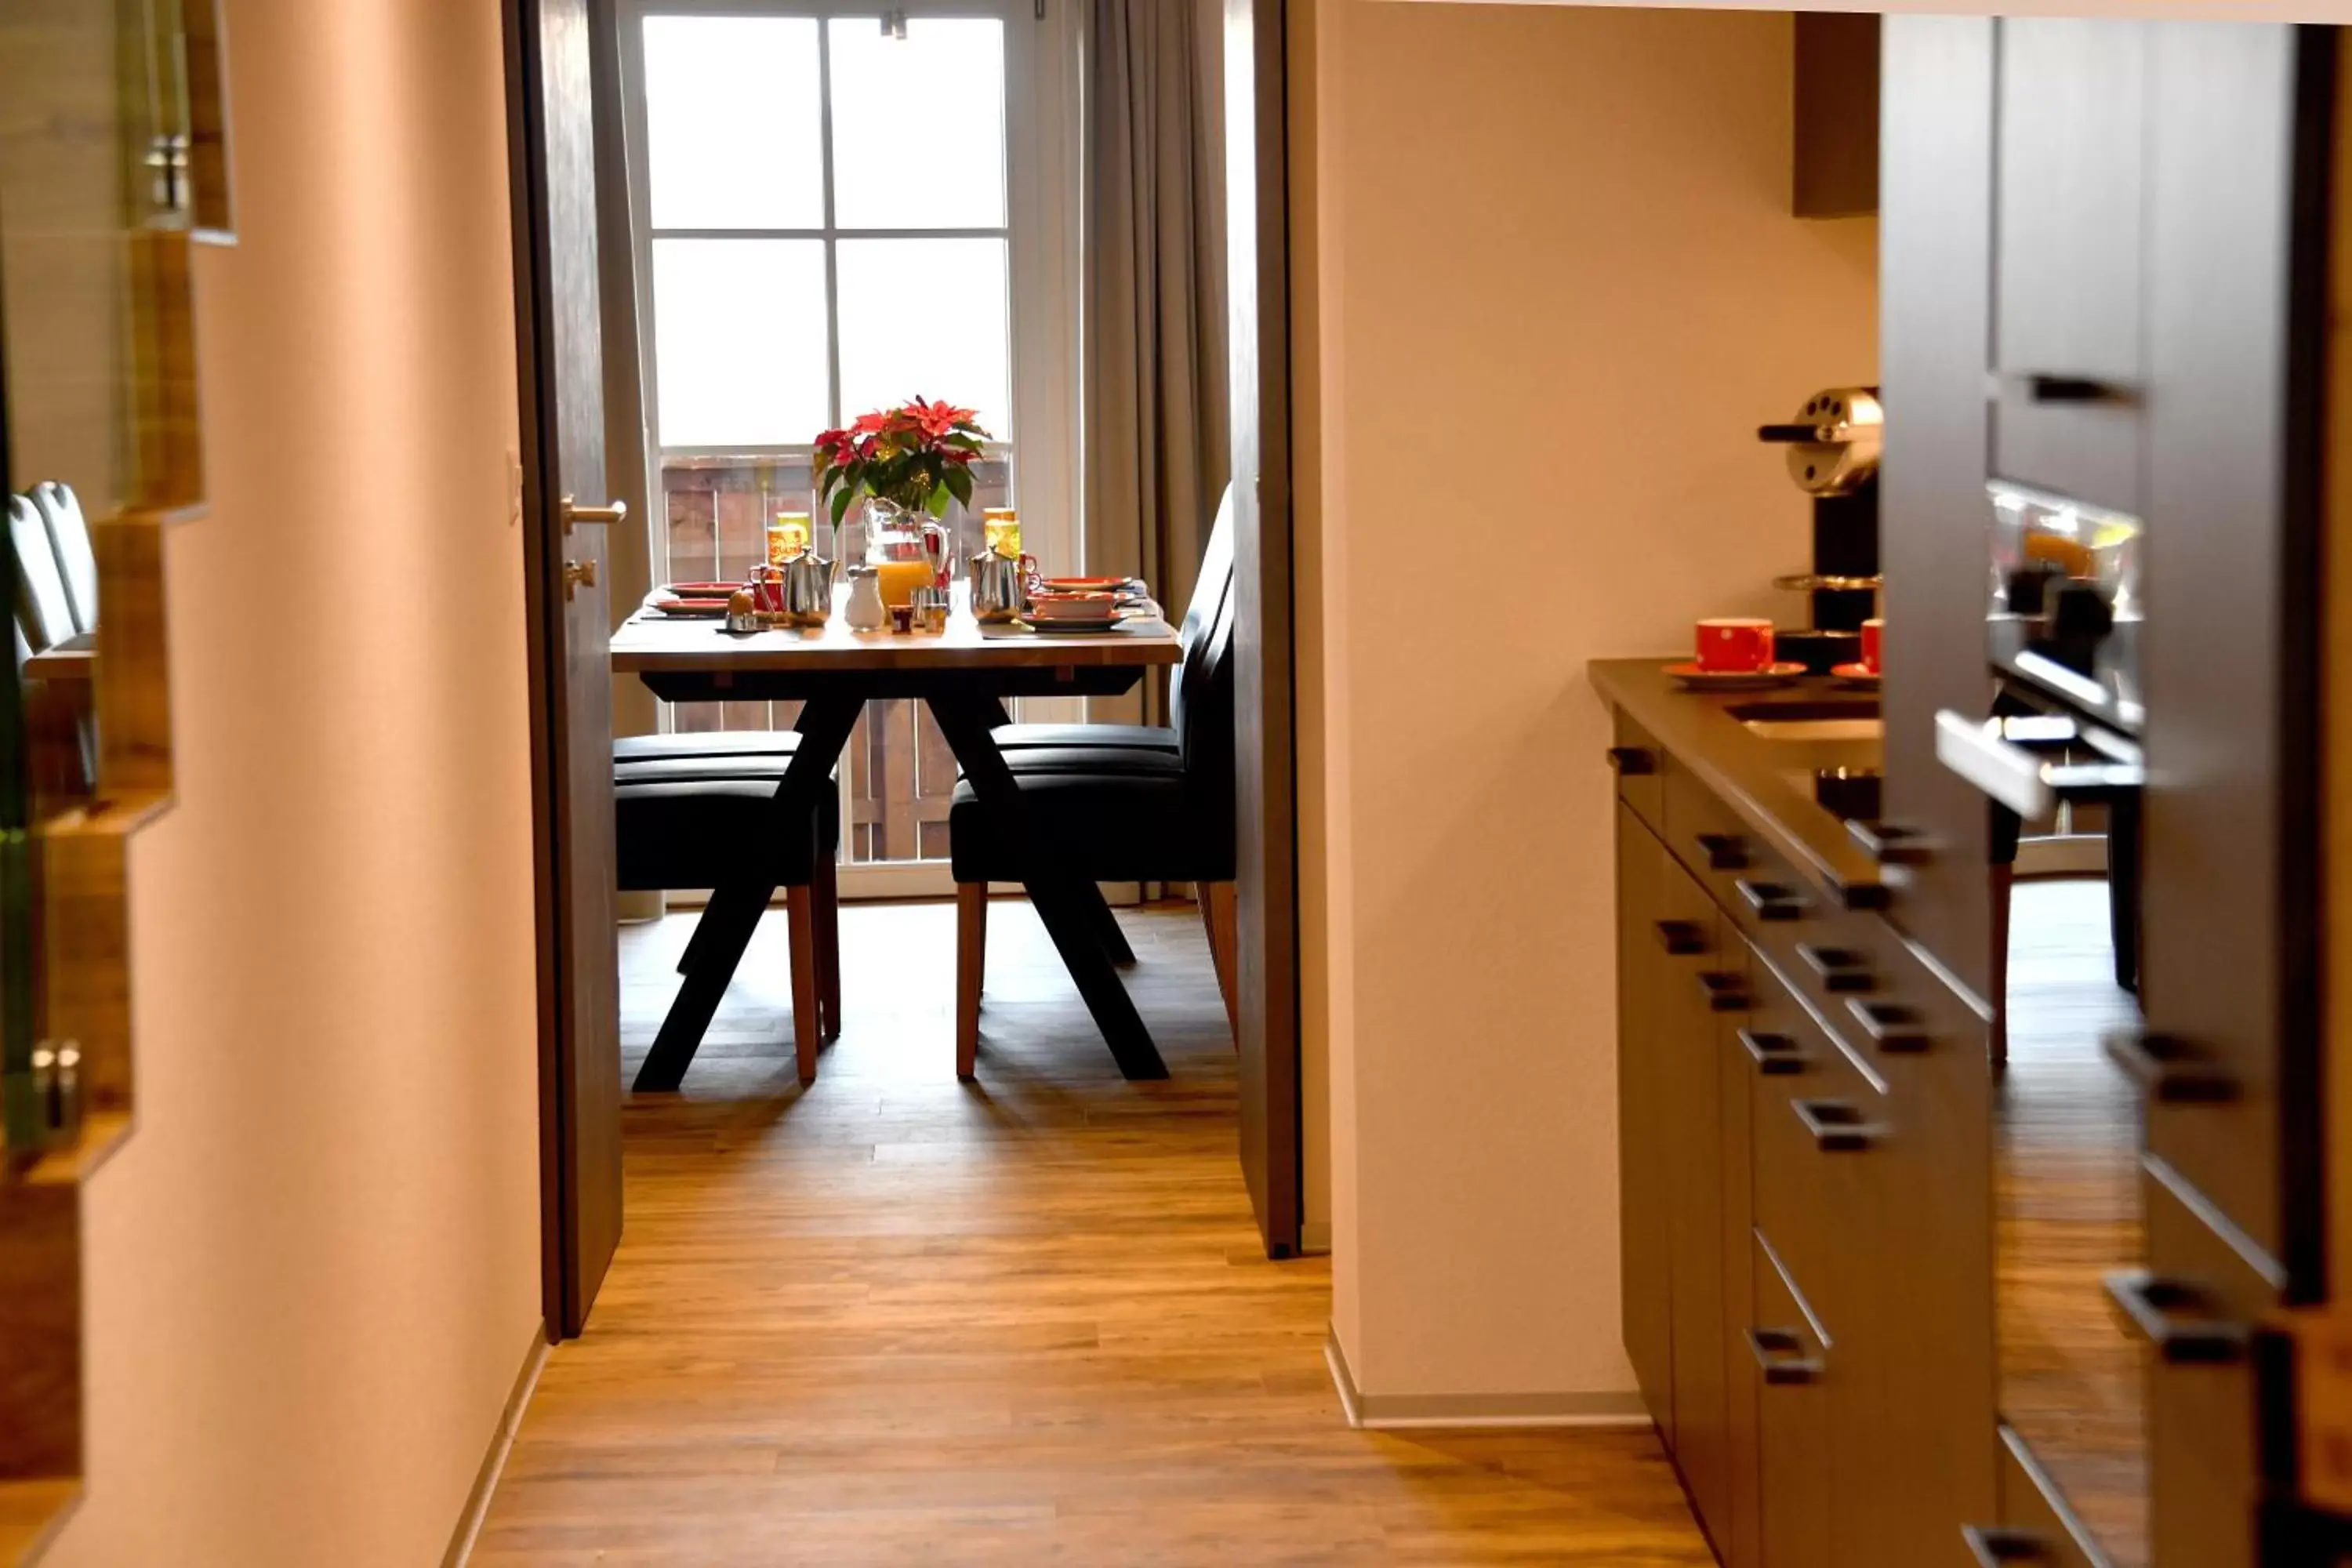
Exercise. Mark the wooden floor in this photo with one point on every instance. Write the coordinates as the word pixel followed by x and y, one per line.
pixel 2068 1141
pixel 898 1320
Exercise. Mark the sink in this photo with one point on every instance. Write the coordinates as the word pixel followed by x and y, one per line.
pixel 1855 720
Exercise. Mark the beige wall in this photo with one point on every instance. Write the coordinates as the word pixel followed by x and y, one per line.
pixel 312 1273
pixel 1553 289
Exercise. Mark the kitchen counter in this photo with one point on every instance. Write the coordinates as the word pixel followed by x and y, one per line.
pixel 1767 782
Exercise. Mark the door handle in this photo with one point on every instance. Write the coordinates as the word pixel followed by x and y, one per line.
pixel 1724 851
pixel 1993 1546
pixel 578 575
pixel 1633 761
pixel 1837 1127
pixel 1889 844
pixel 611 512
pixel 1725 992
pixel 1891 1028
pixel 2043 387
pixel 1837 968
pixel 2167 1069
pixel 1681 937
pixel 1779 1355
pixel 1980 752
pixel 1777 1055
pixel 2152 1303
pixel 1771 901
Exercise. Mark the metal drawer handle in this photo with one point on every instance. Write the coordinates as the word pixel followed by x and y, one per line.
pixel 1781 1355
pixel 2043 387
pixel 1893 1029
pixel 1725 992
pixel 1890 845
pixel 1981 752
pixel 1994 1545
pixel 1681 937
pixel 1837 968
pixel 2151 1302
pixel 1771 901
pixel 1777 1055
pixel 2167 1069
pixel 1836 1125
pixel 1724 851
pixel 1633 761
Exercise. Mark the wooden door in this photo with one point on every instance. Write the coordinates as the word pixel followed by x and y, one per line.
pixel 551 150
pixel 1257 198
pixel 1649 952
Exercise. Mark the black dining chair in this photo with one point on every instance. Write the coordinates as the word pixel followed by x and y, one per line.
pixel 44 608
pixel 69 531
pixel 696 811
pixel 1146 816
pixel 1210 590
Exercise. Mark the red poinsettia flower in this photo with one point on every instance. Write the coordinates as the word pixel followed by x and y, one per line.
pixel 868 424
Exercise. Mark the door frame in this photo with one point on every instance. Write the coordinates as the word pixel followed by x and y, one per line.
pixel 1257 189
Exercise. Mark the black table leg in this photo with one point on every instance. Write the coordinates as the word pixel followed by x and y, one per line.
pixel 726 926
pixel 1106 924
pixel 1061 897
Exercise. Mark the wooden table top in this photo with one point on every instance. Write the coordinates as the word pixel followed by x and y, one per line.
pixel 647 643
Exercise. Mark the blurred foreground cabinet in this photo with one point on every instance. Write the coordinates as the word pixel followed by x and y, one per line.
pixel 114 161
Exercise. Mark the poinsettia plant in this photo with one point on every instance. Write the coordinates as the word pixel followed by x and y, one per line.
pixel 917 456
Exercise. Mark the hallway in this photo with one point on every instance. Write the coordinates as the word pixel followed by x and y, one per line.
pixel 899 1320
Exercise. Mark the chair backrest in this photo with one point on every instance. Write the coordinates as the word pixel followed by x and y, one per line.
pixel 1206 733
pixel 60 509
pixel 1211 589
pixel 43 611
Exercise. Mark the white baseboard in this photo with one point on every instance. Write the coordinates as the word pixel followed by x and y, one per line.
pixel 1405 1412
pixel 486 1481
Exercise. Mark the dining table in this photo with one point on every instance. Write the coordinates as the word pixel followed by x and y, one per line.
pixel 965 674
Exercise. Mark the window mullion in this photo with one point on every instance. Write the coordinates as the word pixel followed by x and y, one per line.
pixel 832 248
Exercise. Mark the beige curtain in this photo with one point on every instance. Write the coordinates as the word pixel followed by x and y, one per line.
pixel 1152 339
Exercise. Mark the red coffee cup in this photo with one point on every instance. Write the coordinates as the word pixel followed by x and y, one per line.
pixel 1735 643
pixel 1872 630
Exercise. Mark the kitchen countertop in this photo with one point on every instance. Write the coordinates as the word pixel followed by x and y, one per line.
pixel 1767 783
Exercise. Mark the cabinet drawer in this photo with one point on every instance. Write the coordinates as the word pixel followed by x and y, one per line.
pixel 1790 1365
pixel 1932 1246
pixel 1817 1118
pixel 1752 883
pixel 1641 766
pixel 2197 1304
pixel 2036 1527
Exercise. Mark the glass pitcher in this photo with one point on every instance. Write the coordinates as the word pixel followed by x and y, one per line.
pixel 908 548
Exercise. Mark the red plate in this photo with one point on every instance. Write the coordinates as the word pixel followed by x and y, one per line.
pixel 1861 674
pixel 692 609
pixel 699 590
pixel 1087 585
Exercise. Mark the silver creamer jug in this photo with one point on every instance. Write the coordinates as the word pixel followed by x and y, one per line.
pixel 999 589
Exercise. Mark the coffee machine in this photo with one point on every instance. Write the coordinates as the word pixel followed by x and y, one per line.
pixel 1833 445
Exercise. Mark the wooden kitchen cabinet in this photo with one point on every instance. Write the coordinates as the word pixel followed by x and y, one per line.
pixel 1823 1378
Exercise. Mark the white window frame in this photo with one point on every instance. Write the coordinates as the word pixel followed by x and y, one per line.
pixel 1041 154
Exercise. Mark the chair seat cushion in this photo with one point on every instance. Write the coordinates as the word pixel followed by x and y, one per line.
pixel 1125 737
pixel 1092 760
pixel 1128 825
pixel 705 832
pixel 707 743
pixel 692 770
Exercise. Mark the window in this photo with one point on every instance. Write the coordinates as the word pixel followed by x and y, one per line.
pixel 834 209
